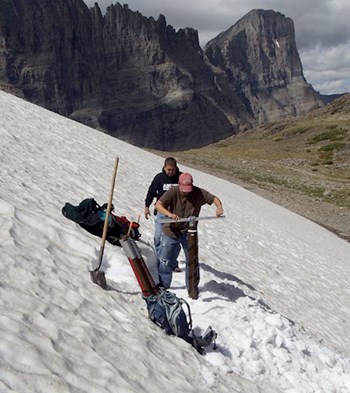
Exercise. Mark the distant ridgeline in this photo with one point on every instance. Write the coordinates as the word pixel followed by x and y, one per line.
pixel 138 79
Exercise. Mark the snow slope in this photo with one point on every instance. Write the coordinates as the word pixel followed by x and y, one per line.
pixel 274 285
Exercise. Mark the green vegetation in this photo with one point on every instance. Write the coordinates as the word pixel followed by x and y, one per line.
pixel 332 146
pixel 296 130
pixel 333 135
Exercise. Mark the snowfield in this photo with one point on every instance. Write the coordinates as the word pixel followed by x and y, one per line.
pixel 274 285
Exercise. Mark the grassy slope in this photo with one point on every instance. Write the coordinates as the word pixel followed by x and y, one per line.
pixel 302 164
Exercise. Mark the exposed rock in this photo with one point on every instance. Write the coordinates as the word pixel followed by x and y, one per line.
pixel 141 81
pixel 159 91
pixel 260 62
pixel 47 53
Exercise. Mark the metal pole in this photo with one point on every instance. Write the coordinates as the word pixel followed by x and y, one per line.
pixel 193 264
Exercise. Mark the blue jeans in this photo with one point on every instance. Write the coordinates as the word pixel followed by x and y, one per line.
pixel 168 258
pixel 158 232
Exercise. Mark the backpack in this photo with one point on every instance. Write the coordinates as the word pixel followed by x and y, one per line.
pixel 91 216
pixel 166 310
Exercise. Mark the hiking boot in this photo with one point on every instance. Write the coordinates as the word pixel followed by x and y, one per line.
pixel 200 342
pixel 209 336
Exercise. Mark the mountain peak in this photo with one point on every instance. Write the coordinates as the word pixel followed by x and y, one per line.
pixel 261 61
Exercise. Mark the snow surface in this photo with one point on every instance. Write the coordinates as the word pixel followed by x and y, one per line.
pixel 274 285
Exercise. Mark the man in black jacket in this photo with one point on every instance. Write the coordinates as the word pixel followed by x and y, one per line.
pixel 162 182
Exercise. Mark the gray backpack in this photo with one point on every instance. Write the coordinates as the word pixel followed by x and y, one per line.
pixel 166 310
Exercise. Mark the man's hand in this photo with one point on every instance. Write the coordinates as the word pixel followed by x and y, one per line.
pixel 173 216
pixel 162 209
pixel 219 211
pixel 147 212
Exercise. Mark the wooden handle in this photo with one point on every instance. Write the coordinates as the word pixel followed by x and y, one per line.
pixel 105 227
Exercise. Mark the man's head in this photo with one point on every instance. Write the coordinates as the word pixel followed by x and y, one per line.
pixel 170 166
pixel 186 183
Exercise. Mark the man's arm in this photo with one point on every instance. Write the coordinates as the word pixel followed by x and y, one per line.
pixel 147 212
pixel 151 194
pixel 162 209
pixel 219 208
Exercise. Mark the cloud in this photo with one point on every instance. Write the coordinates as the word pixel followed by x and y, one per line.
pixel 321 26
pixel 328 69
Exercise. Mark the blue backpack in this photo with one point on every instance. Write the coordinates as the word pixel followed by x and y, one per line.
pixel 166 310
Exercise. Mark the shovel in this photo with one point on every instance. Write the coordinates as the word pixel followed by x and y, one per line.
pixel 97 276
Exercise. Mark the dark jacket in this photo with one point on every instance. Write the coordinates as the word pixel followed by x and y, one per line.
pixel 160 184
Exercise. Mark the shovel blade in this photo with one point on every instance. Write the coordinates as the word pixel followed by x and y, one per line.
pixel 99 278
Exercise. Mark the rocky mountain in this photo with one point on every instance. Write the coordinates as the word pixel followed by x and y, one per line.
pixel 140 80
pixel 258 59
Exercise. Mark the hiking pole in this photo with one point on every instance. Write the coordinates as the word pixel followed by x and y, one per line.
pixel 96 275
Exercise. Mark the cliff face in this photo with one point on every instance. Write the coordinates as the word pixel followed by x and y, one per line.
pixel 46 52
pixel 159 92
pixel 260 62
pixel 141 81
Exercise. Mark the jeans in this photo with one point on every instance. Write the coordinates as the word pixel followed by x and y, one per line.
pixel 168 258
pixel 158 232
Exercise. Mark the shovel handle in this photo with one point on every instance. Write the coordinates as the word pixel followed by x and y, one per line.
pixel 105 226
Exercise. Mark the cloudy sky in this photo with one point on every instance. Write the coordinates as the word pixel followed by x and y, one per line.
pixel 322 29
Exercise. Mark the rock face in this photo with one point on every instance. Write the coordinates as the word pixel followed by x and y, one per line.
pixel 46 53
pixel 140 80
pixel 159 92
pixel 258 59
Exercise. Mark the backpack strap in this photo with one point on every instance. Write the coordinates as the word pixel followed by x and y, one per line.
pixel 183 301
